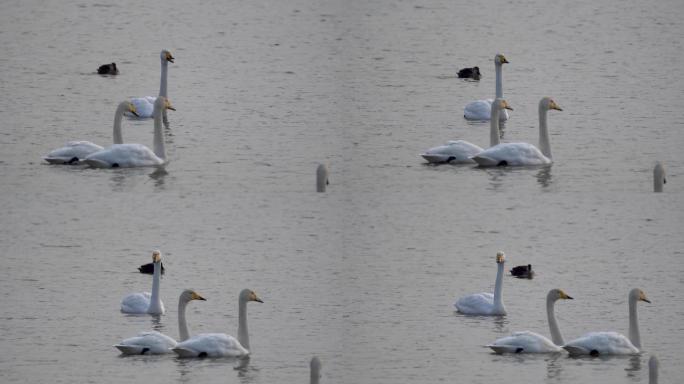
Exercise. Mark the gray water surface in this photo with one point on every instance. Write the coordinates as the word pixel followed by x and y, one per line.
pixel 364 275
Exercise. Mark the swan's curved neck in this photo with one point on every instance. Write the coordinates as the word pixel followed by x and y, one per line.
pixel 118 137
pixel 162 84
pixel 182 324
pixel 634 336
pixel 155 302
pixel 544 143
pixel 499 79
pixel 553 325
pixel 158 139
pixel 498 290
pixel 494 133
pixel 243 334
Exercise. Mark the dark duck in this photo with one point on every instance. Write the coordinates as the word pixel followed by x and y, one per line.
pixel 523 271
pixel 469 73
pixel 108 69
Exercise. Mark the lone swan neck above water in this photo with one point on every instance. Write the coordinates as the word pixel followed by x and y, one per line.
pixel 144 302
pixel 485 303
pixel 480 109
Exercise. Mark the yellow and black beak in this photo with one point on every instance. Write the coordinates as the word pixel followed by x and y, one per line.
pixel 169 57
pixel 195 296
pixel 506 106
pixel 555 106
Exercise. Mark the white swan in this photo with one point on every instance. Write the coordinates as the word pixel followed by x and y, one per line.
pixel 522 153
pixel 461 151
pixel 154 342
pixel 144 302
pixel 485 303
pixel 135 155
pixel 145 105
pixel 481 109
pixel 530 342
pixel 653 370
pixel 322 178
pixel 75 151
pixel 659 178
pixel 612 343
pixel 220 344
pixel 315 366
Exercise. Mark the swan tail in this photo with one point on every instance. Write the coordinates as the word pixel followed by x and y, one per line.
pixel 574 350
pixel 505 348
pixel 131 349
pixel 183 352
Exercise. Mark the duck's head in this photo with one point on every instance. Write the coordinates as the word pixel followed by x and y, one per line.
pixel 166 56
pixel 500 257
pixel 500 59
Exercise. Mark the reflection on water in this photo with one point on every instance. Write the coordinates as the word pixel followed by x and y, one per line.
pixel 158 176
pixel 554 367
pixel 634 368
pixel 544 176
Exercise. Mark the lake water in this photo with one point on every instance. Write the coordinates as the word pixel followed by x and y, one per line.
pixel 364 275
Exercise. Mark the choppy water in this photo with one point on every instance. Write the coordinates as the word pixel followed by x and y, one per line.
pixel 364 275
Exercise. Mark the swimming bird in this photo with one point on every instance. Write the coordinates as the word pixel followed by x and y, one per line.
pixel 612 343
pixel 522 153
pixel 523 271
pixel 322 180
pixel 659 178
pixel 145 105
pixel 149 268
pixel 144 302
pixel 470 73
pixel 485 303
pixel 135 155
pixel 531 342
pixel 461 151
pixel 108 69
pixel 153 342
pixel 221 344
pixel 481 109
pixel 75 151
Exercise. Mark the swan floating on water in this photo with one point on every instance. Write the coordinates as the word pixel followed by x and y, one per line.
pixel 530 342
pixel 154 342
pixel 145 105
pixel 659 178
pixel 481 109
pixel 522 153
pixel 612 343
pixel 135 155
pixel 220 344
pixel 485 303
pixel 144 302
pixel 461 151
pixel 108 69
pixel 75 151
pixel 322 180
pixel 315 366
pixel 470 73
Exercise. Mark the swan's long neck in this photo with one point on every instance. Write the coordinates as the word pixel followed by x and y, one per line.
pixel 498 289
pixel 653 370
pixel 499 79
pixel 118 137
pixel 544 143
pixel 553 325
pixel 243 334
pixel 494 134
pixel 634 336
pixel 155 302
pixel 162 83
pixel 182 324
pixel 159 149
pixel 658 177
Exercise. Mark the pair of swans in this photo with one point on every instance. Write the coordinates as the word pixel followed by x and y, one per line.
pixel 74 152
pixel 135 155
pixel 515 154
pixel 202 345
pixel 145 105
pixel 481 109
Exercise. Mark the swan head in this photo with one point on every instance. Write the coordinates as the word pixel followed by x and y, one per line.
pixel 163 102
pixel 156 256
pixel 500 59
pixel 559 294
pixel 249 295
pixel 131 108
pixel 500 257
pixel 503 104
pixel 188 295
pixel 638 295
pixel 166 56
pixel 548 103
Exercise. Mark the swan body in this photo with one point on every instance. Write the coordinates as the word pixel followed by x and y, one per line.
pixel 153 342
pixel 612 343
pixel 659 178
pixel 518 154
pixel 461 151
pixel 75 151
pixel 145 302
pixel 315 366
pixel 481 109
pixel 135 155
pixel 531 342
pixel 485 303
pixel 322 180
pixel 220 344
pixel 145 105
